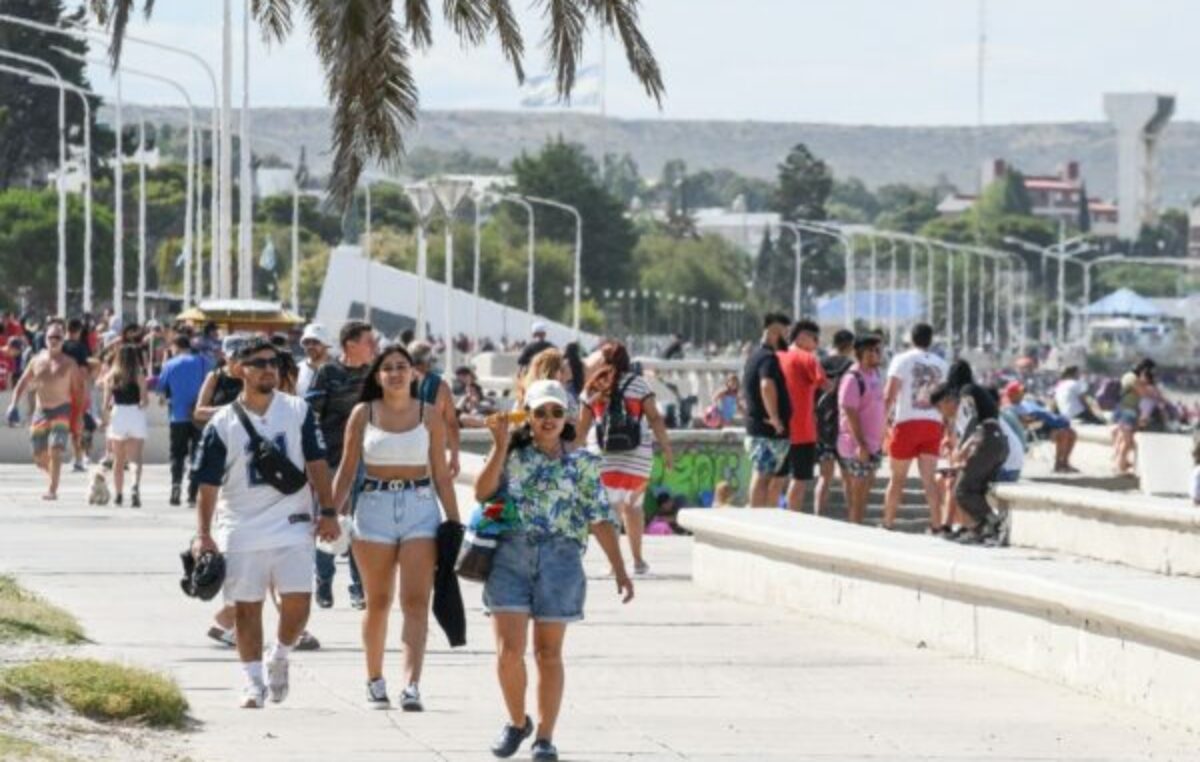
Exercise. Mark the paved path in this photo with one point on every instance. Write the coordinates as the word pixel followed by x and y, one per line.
pixel 677 674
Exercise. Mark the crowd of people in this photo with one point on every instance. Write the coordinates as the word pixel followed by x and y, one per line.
pixel 282 450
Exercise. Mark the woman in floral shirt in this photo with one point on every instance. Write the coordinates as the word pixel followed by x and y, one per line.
pixel 537 571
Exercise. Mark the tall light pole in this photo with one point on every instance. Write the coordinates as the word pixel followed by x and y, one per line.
pixel 578 280
pixel 189 201
pixel 366 244
pixel 424 203
pixel 893 285
pixel 872 283
pixel 61 300
pixel 226 258
pixel 797 284
pixel 1044 252
pixel 141 277
pixel 843 237
pixel 296 243
pixel 530 243
pixel 478 200
pixel 43 81
pixel 246 181
pixel 450 194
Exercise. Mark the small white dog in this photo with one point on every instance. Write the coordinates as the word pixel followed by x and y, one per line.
pixel 99 494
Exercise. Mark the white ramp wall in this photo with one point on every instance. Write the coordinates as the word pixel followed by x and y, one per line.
pixel 393 299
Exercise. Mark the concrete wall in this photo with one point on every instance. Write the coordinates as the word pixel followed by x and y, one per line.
pixel 14 441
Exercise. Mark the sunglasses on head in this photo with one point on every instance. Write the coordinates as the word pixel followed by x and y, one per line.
pixel 555 412
pixel 261 363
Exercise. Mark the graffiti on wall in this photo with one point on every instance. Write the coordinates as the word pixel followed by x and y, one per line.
pixel 698 469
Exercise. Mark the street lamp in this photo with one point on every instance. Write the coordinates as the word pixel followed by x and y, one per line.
pixel 578 280
pixel 43 81
pixel 62 170
pixel 450 194
pixel 504 310
pixel 797 292
pixel 424 204
pixel 529 277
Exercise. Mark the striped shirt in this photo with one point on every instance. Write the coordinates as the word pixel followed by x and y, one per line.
pixel 637 462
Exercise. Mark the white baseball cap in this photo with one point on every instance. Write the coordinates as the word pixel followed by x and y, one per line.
pixel 315 331
pixel 545 392
pixel 538 327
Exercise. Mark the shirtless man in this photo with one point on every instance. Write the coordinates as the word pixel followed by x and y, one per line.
pixel 55 381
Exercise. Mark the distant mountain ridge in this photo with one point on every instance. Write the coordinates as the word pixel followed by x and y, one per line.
pixel 877 155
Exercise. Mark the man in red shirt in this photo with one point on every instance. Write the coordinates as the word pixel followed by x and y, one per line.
pixel 803 376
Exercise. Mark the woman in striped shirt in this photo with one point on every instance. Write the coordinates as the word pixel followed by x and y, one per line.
pixel 626 470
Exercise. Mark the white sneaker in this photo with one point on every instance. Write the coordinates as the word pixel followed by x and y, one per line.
pixel 641 567
pixel 254 696
pixel 410 699
pixel 277 679
pixel 377 697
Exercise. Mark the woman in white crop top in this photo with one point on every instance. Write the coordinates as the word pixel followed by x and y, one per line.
pixel 402 447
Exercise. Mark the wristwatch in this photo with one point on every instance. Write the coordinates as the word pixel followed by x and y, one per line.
pixel 329 513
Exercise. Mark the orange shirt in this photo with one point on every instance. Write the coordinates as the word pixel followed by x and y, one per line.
pixel 803 376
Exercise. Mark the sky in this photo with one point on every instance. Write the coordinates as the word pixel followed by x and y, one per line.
pixel 878 62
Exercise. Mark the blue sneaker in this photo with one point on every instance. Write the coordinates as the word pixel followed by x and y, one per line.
pixel 511 738
pixel 544 751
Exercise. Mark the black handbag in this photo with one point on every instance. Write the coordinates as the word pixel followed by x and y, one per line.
pixel 475 558
pixel 275 467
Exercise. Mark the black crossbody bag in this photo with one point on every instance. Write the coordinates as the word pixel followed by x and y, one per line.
pixel 275 467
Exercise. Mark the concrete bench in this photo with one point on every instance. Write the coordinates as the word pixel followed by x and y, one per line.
pixel 1122 633
pixel 1156 534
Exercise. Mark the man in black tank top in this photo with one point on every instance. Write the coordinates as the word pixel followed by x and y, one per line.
pixel 336 389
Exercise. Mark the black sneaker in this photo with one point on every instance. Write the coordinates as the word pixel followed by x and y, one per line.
pixel 972 537
pixel 544 751
pixel 511 738
pixel 324 593
pixel 174 495
pixel 357 601
pixel 135 498
pixel 118 499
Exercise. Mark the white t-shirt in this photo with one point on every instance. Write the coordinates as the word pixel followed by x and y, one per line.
pixel 251 514
pixel 304 378
pixel 1068 397
pixel 920 372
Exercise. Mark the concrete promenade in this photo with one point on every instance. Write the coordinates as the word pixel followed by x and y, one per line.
pixel 677 674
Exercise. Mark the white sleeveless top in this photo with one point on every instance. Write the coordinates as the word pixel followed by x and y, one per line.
pixel 396 448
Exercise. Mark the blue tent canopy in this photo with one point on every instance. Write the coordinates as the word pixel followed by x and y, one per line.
pixel 1123 303
pixel 910 305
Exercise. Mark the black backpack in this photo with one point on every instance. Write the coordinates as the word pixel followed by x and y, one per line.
pixel 617 430
pixel 827 405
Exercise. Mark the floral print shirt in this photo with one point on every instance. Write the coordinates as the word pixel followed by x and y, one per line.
pixel 557 495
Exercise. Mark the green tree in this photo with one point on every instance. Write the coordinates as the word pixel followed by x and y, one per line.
pixel 1005 195
pixel 1167 237
pixel 1084 218
pixel 366 47
pixel 29 133
pixel 803 187
pixel 854 201
pixel 29 242
pixel 561 171
pixel 621 178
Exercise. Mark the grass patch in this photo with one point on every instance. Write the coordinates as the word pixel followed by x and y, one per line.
pixel 24 616
pixel 18 750
pixel 98 690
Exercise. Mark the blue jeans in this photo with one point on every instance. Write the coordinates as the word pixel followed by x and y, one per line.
pixel 541 576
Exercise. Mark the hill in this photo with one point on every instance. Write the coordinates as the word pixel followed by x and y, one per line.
pixel 877 155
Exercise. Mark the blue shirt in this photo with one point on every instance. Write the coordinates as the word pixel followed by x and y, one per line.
pixel 180 383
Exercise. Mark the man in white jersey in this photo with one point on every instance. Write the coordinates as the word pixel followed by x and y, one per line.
pixel 265 534
pixel 916 424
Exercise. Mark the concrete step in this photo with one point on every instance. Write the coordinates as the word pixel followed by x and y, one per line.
pixel 1126 634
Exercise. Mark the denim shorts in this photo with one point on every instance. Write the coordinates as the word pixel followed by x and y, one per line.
pixel 537 575
pixel 391 517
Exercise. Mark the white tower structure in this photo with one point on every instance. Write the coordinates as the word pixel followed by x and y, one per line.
pixel 1139 119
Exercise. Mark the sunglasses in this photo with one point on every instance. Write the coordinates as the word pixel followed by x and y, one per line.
pixel 261 363
pixel 542 413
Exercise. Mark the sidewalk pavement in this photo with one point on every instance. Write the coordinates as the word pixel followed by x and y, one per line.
pixel 677 674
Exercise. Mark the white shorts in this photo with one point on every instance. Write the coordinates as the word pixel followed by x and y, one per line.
pixel 250 573
pixel 128 422
pixel 621 495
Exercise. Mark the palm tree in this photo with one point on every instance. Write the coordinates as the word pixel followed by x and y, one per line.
pixel 365 47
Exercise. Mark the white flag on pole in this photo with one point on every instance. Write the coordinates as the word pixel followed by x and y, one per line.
pixel 266 260
pixel 542 91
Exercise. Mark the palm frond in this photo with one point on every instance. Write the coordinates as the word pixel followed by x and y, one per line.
pixel 275 18
pixel 117 21
pixel 370 81
pixel 622 16
pixel 512 43
pixel 564 38
pixel 419 23
pixel 469 19
pixel 99 10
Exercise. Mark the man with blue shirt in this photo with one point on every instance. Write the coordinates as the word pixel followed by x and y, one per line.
pixel 179 384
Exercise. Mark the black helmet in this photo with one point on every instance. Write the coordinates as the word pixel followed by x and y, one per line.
pixel 203 577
